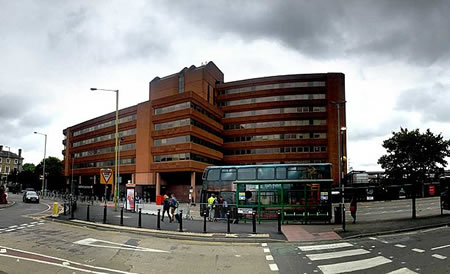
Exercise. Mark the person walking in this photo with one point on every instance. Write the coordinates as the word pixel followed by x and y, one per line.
pixel 353 208
pixel 173 205
pixel 166 207
pixel 211 200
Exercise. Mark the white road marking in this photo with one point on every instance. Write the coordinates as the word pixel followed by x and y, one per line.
pixel 264 244
pixel 403 270
pixel 353 265
pixel 23 224
pixel 91 241
pixel 337 254
pixel 40 223
pixel 59 259
pixel 273 267
pixel 372 238
pixel 9 230
pixel 437 256
pixel 418 250
pixel 33 222
pixel 266 250
pixel 2 250
pixel 21 227
pixel 13 226
pixel 30 225
pixel 401 246
pixel 269 258
pixel 439 247
pixel 323 247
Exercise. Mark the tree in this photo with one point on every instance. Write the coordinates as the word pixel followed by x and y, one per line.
pixel 412 157
pixel 27 177
pixel 53 173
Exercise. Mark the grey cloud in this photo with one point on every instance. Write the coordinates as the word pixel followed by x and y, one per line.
pixel 431 102
pixel 412 31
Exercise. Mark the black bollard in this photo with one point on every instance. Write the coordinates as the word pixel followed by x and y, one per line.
pixel 279 221
pixel 158 222
pixel 72 211
pixel 121 215
pixel 181 220
pixel 87 213
pixel 204 221
pixel 104 214
pixel 140 218
pixel 65 209
pixel 254 221
pixel 228 222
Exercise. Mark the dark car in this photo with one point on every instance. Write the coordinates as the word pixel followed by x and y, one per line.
pixel 31 196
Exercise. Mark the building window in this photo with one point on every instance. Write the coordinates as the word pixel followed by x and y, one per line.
pixel 104 125
pixel 8 161
pixel 16 161
pixel 275 86
pixel 6 169
pixel 0 169
pixel 181 82
pixel 1 159
pixel 279 98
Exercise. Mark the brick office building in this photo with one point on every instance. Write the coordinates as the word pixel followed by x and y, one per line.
pixel 194 119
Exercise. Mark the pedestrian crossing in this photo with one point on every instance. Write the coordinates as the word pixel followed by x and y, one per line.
pixel 14 228
pixel 344 257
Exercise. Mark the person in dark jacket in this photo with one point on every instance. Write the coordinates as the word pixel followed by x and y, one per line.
pixel 353 208
pixel 166 207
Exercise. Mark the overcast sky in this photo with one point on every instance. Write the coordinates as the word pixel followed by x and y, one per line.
pixel 395 56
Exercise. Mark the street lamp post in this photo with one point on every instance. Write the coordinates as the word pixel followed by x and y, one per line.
pixel 43 171
pixel 116 161
pixel 341 185
pixel 118 164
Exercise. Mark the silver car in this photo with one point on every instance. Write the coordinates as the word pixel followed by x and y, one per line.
pixel 31 196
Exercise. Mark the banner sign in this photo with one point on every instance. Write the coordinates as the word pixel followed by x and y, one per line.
pixel 106 176
pixel 130 199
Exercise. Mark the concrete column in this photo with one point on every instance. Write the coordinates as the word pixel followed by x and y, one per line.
pixel 95 179
pixel 79 180
pixel 132 178
pixel 194 192
pixel 158 184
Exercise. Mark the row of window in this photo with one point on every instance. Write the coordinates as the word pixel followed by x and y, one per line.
pixel 104 137
pixel 269 173
pixel 103 125
pixel 273 99
pixel 104 150
pixel 277 124
pixel 275 86
pixel 130 161
pixel 275 111
pixel 185 156
pixel 6 171
pixel 308 135
pixel 185 122
pixel 185 139
pixel 300 149
pixel 8 161
pixel 186 105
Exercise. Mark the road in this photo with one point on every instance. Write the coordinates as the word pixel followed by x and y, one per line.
pixel 33 245
pixel 30 243
pixel 424 251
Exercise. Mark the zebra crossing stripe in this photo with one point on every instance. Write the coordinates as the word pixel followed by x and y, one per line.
pixel 418 250
pixel 353 265
pixel 437 256
pixel 402 271
pixel 273 267
pixel 401 246
pixel 338 254
pixel 323 247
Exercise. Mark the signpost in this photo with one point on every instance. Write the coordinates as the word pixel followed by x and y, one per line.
pixel 106 178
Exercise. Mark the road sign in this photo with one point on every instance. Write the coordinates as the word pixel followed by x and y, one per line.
pixel 106 176
pixel 431 189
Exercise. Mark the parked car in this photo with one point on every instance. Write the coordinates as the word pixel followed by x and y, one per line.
pixel 30 196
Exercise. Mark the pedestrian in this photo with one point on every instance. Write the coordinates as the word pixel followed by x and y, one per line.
pixel 225 207
pixel 211 201
pixel 166 207
pixel 353 208
pixel 220 204
pixel 173 206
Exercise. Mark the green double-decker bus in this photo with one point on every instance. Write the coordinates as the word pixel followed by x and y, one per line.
pixel 300 192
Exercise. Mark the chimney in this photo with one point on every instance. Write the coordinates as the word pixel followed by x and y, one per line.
pixel 1 147
pixel 20 152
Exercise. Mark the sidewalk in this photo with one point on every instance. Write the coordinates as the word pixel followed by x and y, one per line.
pixel 266 231
pixel 9 204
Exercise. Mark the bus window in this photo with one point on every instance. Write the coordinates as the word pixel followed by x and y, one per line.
pixel 213 174
pixel 228 174
pixel 281 173
pixel 266 173
pixel 269 198
pixel 246 174
pixel 296 172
